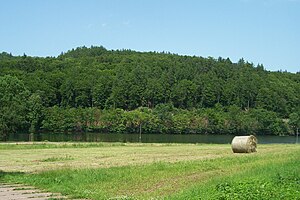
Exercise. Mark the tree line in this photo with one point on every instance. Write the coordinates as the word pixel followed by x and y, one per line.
pixel 95 89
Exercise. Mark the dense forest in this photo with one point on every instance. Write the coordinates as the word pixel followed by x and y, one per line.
pixel 100 90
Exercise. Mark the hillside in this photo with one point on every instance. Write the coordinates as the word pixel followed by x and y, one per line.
pixel 183 94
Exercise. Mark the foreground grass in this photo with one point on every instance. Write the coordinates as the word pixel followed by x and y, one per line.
pixel 177 172
pixel 279 179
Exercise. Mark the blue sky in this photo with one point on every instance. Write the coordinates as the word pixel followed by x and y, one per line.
pixel 260 31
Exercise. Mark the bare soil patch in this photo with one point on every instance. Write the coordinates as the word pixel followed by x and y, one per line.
pixel 14 192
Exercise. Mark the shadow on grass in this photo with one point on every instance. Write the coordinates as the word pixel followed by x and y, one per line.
pixel 4 175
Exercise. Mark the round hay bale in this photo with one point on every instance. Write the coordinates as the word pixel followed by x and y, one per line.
pixel 244 144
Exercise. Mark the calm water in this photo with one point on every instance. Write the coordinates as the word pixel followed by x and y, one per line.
pixel 146 138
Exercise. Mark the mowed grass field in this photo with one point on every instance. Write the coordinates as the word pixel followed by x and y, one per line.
pixel 153 171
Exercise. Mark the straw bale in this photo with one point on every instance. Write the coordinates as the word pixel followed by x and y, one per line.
pixel 244 144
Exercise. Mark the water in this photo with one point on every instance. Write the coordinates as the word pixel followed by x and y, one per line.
pixel 146 138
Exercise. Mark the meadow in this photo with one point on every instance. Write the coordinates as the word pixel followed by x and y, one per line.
pixel 153 171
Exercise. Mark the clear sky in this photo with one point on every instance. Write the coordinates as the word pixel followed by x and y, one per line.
pixel 260 31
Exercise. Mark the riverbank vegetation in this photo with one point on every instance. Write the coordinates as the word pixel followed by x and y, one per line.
pixel 94 89
pixel 153 171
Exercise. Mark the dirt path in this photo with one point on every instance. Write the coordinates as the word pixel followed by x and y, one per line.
pixel 16 192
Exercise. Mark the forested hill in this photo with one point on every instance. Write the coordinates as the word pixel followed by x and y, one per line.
pixel 97 81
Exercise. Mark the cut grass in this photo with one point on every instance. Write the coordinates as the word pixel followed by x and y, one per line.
pixel 29 159
pixel 55 159
pixel 51 145
pixel 221 175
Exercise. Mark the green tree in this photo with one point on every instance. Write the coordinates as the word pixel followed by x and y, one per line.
pixel 136 118
pixel 294 122
pixel 35 112
pixel 13 95
pixel 184 93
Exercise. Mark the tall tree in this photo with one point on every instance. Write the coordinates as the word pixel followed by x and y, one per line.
pixel 13 97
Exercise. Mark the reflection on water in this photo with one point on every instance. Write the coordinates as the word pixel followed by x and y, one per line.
pixel 146 138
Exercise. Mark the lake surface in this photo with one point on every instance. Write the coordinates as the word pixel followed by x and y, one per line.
pixel 146 138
